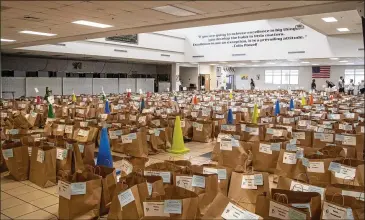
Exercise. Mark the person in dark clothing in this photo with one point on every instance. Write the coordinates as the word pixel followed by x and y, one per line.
pixel 330 84
pixel 341 85
pixel 252 84
pixel 313 85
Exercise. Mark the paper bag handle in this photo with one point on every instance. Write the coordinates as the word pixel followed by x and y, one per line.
pixel 277 197
pixel 338 194
pixel 300 174
pixel 350 180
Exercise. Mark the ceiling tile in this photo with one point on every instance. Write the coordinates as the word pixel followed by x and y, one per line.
pixel 123 5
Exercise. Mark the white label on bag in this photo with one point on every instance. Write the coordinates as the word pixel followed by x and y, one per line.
pixel 234 212
pixel 279 211
pixel 316 167
pixel 60 127
pixel 81 148
pixel 40 156
pixel 30 151
pixel 253 131
pixel 154 209
pixel 331 211
pixel 142 119
pixel 226 145
pixel 64 189
pixel 125 197
pixel 166 176
pixel 248 182
pixel 78 188
pixel 277 132
pixel 289 158
pixel 126 167
pixel 83 124
pixel 182 123
pixel 198 181
pixel 60 155
pixel 132 117
pixel 173 206
pixel 83 133
pixel 126 139
pixel 149 188
pixel 346 172
pixel 297 186
pixel 68 129
pixel 184 182
pixel 349 140
pixel 357 195
pixel 299 135
pixel 199 127
pixel 8 153
pixel 265 148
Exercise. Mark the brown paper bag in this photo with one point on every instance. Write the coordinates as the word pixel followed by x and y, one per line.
pixel 244 189
pixel 80 196
pixel 225 208
pixel 356 192
pixel 17 159
pixel 135 144
pixel 289 165
pixel 202 131
pixel 350 172
pixel 164 169
pixel 338 206
pixel 233 154
pixel 43 166
pixel 108 182
pixel 266 154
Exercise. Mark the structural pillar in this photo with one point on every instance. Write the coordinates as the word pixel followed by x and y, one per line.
pixel 175 77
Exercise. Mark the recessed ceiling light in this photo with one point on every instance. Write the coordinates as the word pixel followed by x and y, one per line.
pixel 315 64
pixel 343 29
pixel 270 63
pixel 343 61
pixel 212 64
pixel 292 60
pixel 37 33
pixel 349 63
pixel 7 40
pixel 255 61
pixel 223 62
pixel 255 65
pixel 305 62
pixel 334 58
pixel 172 10
pixel 329 19
pixel 92 24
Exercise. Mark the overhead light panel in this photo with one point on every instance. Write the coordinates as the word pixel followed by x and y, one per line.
pixel 255 65
pixel 7 40
pixel 37 33
pixel 349 63
pixel 255 61
pixel 343 29
pixel 334 58
pixel 329 19
pixel 343 61
pixel 315 64
pixel 305 62
pixel 292 60
pixel 270 63
pixel 172 10
pixel 92 24
pixel 212 64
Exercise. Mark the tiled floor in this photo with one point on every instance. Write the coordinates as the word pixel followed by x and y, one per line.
pixel 25 200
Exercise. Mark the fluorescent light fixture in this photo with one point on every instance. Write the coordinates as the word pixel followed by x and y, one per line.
pixel 37 33
pixel 223 62
pixel 349 63
pixel 255 61
pixel 212 64
pixel 334 58
pixel 172 10
pixel 270 63
pixel 315 64
pixel 7 40
pixel 92 24
pixel 305 62
pixel 329 19
pixel 194 63
pixel 343 61
pixel 292 60
pixel 256 65
pixel 343 29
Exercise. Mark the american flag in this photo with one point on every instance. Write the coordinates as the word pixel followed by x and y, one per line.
pixel 321 71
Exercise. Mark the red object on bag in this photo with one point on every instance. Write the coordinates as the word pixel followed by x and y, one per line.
pixel 129 94
pixel 311 100
pixel 38 100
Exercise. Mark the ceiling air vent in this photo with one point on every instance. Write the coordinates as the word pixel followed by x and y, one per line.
pixel 31 18
pixel 292 52
pixel 165 55
pixel 238 54
pixel 62 45
pixel 198 56
pixel 360 49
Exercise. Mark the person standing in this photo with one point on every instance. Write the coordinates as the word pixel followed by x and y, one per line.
pixel 341 85
pixel 330 84
pixel 362 87
pixel 252 84
pixel 351 87
pixel 313 85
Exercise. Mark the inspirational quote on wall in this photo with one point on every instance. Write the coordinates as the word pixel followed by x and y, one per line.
pixel 251 38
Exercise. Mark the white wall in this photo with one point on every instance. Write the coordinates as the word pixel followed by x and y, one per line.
pixel 54 84
pixel 15 84
pixel 77 85
pixel 189 75
pixel 305 76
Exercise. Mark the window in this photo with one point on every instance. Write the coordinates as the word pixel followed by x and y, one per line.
pixel 52 74
pixel 7 73
pixel 279 77
pixel 356 74
pixel 31 74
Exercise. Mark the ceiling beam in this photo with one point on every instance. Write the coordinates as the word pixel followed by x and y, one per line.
pixel 271 14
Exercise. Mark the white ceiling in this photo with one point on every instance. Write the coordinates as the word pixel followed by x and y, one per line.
pixel 268 63
pixel 131 17
pixel 345 19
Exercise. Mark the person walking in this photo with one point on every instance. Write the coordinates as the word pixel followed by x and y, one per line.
pixel 362 87
pixel 252 84
pixel 330 84
pixel 341 85
pixel 313 85
pixel 351 87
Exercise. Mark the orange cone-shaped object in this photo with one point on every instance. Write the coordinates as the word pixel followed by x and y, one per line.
pixel 195 100
pixel 311 100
